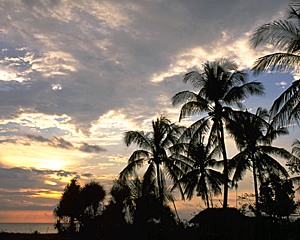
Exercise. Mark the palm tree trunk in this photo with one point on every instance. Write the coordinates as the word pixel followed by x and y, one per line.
pixel 207 199
pixel 255 187
pixel 225 171
pixel 160 189
pixel 176 211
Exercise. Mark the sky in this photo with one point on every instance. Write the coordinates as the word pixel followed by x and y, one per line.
pixel 75 75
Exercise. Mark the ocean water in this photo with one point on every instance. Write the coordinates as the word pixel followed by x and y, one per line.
pixel 27 227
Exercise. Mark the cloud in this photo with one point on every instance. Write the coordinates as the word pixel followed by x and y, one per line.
pixel 90 148
pixel 102 56
pixel 29 188
pixel 59 142
pixel 282 84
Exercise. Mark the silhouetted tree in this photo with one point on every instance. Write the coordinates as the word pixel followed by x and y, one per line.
pixel 133 202
pixel 202 178
pixel 78 206
pixel 253 136
pixel 277 197
pixel 69 207
pixel 92 194
pixel 220 86
pixel 285 36
pixel 154 150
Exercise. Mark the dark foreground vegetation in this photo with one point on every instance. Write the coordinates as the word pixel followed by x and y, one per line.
pixel 211 224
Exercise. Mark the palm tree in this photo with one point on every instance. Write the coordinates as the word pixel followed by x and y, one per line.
pixel 202 177
pixel 253 136
pixel 285 36
pixel 220 86
pixel 154 150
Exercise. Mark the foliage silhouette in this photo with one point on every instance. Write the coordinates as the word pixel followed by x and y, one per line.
pixel 220 86
pixel 253 136
pixel 69 207
pixel 92 194
pixel 283 35
pixel 78 206
pixel 135 203
pixel 202 177
pixel 155 150
pixel 277 197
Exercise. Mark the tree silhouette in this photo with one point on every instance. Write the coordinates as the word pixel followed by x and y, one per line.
pixel 285 36
pixel 78 206
pixel 92 194
pixel 69 206
pixel 277 197
pixel 220 86
pixel 294 163
pixel 136 203
pixel 155 150
pixel 202 178
pixel 253 136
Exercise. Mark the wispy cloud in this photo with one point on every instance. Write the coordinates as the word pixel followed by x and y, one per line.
pixel 59 142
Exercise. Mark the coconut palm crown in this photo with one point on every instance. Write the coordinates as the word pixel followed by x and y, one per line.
pixel 154 150
pixel 284 35
pixel 219 86
pixel 253 135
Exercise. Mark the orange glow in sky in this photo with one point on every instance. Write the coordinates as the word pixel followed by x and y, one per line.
pixel 10 216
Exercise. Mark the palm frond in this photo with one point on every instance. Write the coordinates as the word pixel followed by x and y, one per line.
pixel 276 61
pixel 190 181
pixel 138 137
pixel 183 97
pixel 275 151
pixel 192 108
pixel 272 166
pixel 149 176
pixel 240 163
pixel 285 102
pixel 242 92
pixel 194 77
pixel 215 179
pixel 131 168
pixel 296 180
pixel 278 33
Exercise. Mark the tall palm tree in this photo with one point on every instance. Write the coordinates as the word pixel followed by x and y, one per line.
pixel 220 86
pixel 285 36
pixel 202 177
pixel 154 150
pixel 253 136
